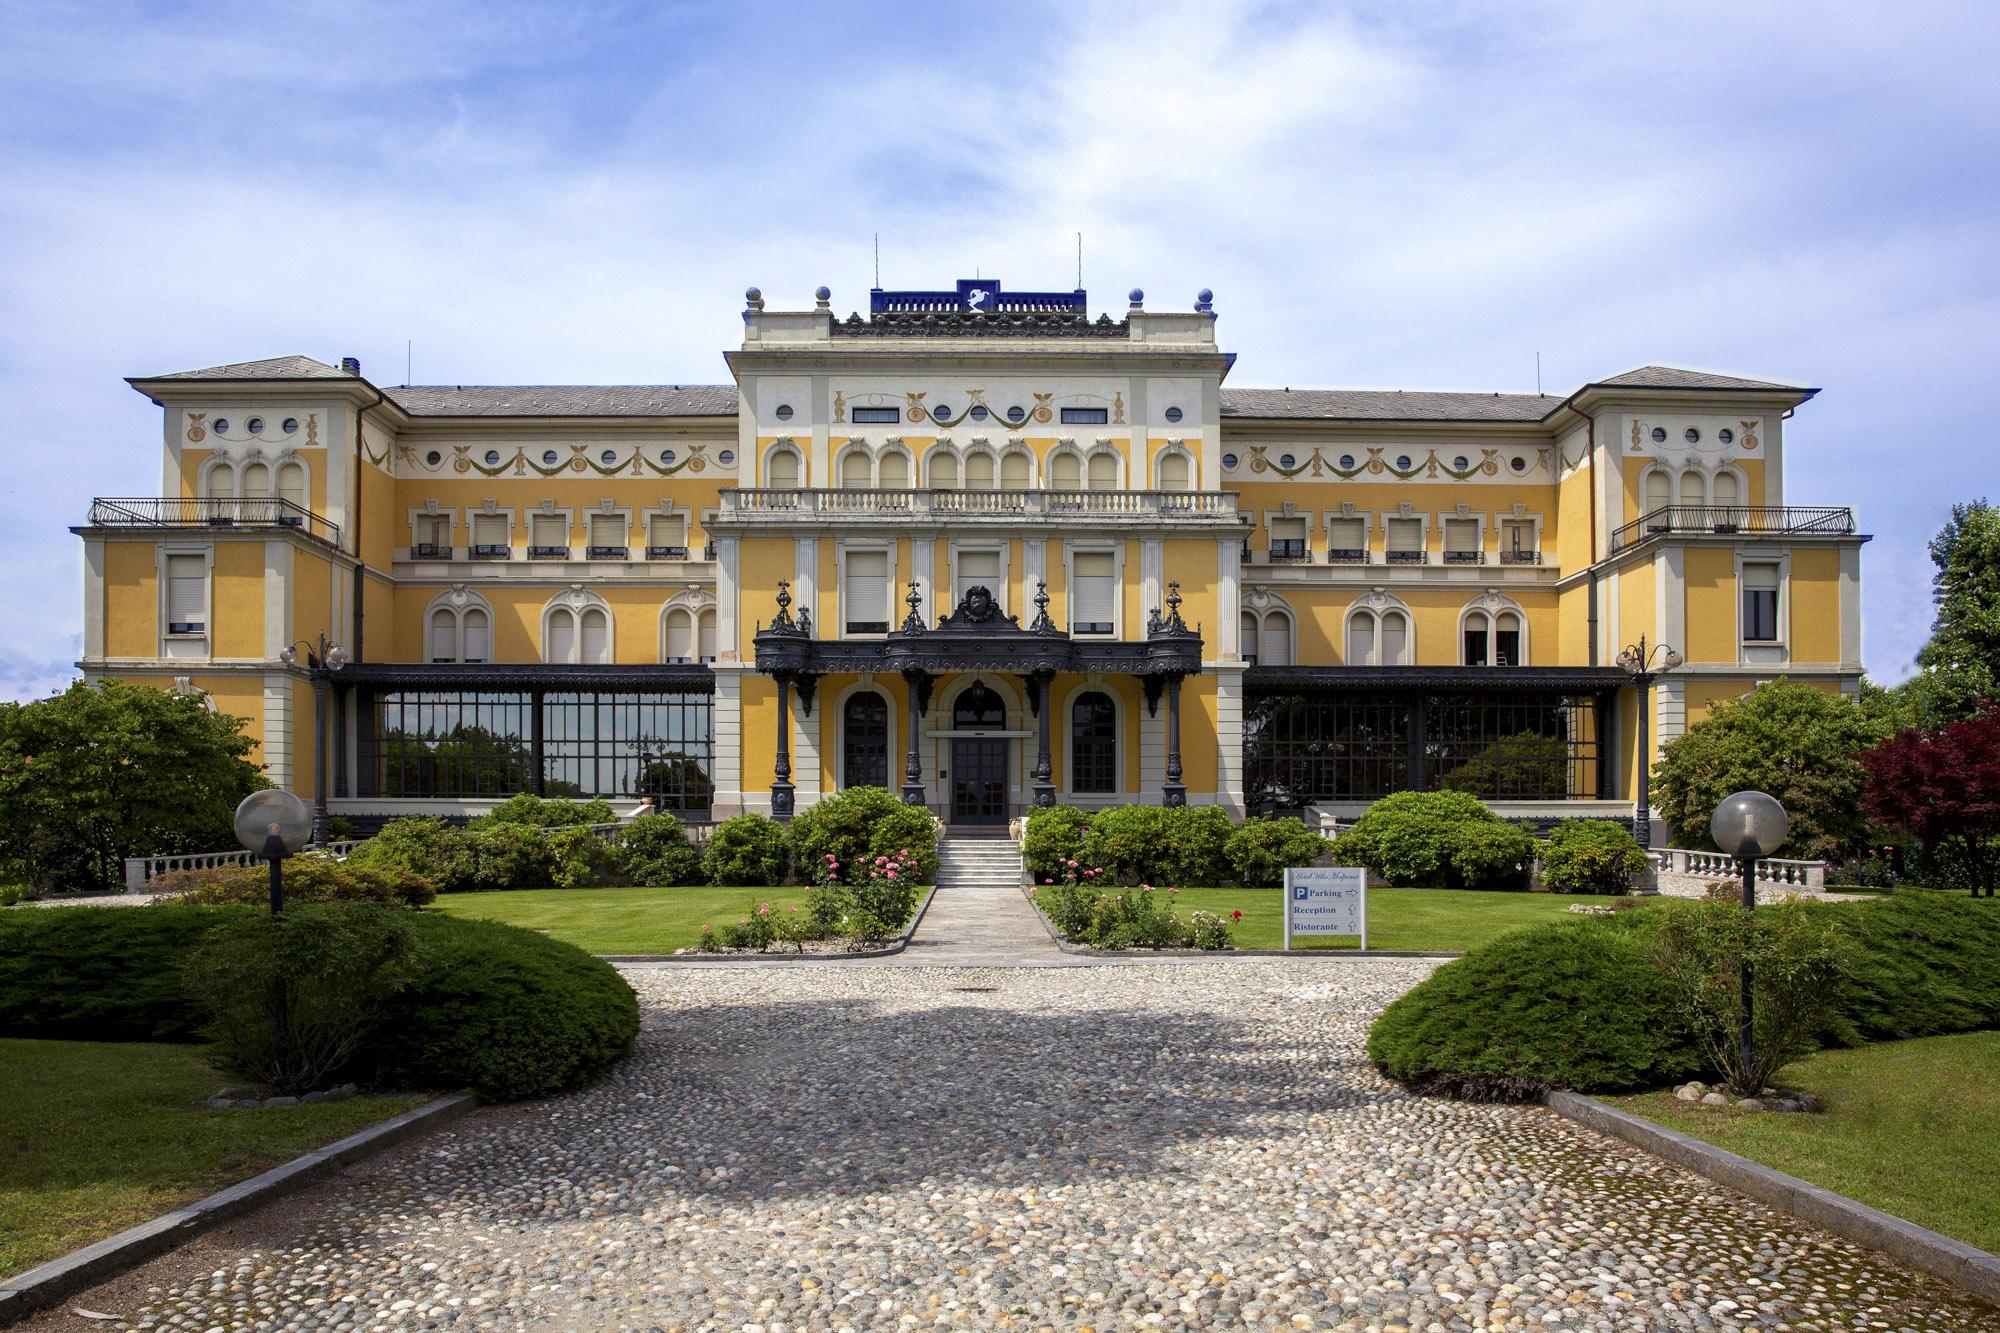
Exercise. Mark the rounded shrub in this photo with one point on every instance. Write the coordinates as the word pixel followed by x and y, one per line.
pixel 310 878
pixel 1417 839
pixel 1582 1005
pixel 657 853
pixel 103 973
pixel 1260 850
pixel 506 1012
pixel 858 824
pixel 746 850
pixel 1193 847
pixel 539 812
pixel 1591 856
pixel 1055 834
pixel 1126 841
pixel 421 844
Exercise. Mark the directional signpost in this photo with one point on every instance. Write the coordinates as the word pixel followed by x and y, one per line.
pixel 1326 900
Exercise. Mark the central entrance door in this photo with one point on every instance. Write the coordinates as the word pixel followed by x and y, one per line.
pixel 978 763
pixel 978 781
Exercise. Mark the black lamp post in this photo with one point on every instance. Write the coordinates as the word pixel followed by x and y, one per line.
pixel 273 824
pixel 1644 664
pixel 322 660
pixel 1747 826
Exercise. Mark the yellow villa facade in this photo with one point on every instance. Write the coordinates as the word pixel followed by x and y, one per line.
pixel 987 548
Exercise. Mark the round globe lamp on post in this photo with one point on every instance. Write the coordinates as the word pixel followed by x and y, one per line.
pixel 274 824
pixel 1749 825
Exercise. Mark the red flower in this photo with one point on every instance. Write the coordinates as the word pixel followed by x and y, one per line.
pixel 1236 916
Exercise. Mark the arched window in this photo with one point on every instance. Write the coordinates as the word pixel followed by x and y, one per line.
pixel 475 640
pixel 1016 470
pixel 783 468
pixel 444 635
pixel 256 481
pixel 1379 636
pixel 679 642
pixel 1492 638
pixel 1693 492
pixel 596 644
pixel 1065 472
pixel 1659 491
pixel 1728 490
pixel 979 471
pixel 1395 639
pixel 220 481
pixel 704 635
pixel 1247 645
pixel 979 706
pixel 458 628
pixel 1093 733
pixel 292 482
pixel 1103 473
pixel 854 472
pixel 864 726
pixel 1274 645
pixel 895 470
pixel 944 469
pixel 1361 639
pixel 559 636
pixel 577 628
pixel 1175 474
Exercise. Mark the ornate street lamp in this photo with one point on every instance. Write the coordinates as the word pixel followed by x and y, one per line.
pixel 1748 826
pixel 322 660
pixel 1644 665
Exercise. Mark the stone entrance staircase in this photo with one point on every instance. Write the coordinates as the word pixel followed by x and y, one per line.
pixel 980 915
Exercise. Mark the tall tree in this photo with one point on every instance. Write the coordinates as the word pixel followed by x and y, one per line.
pixel 102 772
pixel 1959 669
pixel 1943 786
pixel 1799 743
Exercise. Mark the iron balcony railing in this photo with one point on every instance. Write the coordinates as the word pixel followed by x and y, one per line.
pixel 431 551
pixel 157 511
pixel 1520 557
pixel 489 551
pixel 666 552
pixel 1737 520
pixel 1465 557
pixel 607 552
pixel 786 502
pixel 1347 555
pixel 1407 557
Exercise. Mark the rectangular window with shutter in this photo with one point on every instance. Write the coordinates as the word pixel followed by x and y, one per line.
pixel 1288 540
pixel 864 599
pixel 1760 603
pixel 1405 541
pixel 548 536
pixel 667 537
pixel 979 569
pixel 1461 541
pixel 433 537
pixel 1517 543
pixel 1093 592
pixel 1347 540
pixel 187 594
pixel 491 539
pixel 607 536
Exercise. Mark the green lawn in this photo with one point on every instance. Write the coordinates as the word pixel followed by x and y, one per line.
pixel 622 921
pixel 1445 920
pixel 99 1136
pixel 1908 1127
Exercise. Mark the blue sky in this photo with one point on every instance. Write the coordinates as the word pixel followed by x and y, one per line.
pixel 1380 195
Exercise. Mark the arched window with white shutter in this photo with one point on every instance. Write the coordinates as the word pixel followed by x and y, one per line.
pixel 895 470
pixel 979 471
pixel 1176 471
pixel 1658 491
pixel 677 635
pixel 292 482
pixel 781 468
pixel 1065 471
pixel 255 481
pixel 458 627
pixel 704 635
pixel 577 628
pixel 1017 470
pixel 1694 489
pixel 855 472
pixel 1102 471
pixel 944 468
pixel 1378 632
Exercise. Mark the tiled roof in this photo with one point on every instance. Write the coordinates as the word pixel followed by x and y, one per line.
pixel 567 400
pixel 276 368
pixel 1673 377
pixel 1386 405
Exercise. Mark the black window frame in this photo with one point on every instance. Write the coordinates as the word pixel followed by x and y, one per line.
pixel 1086 416
pixel 875 416
pixel 1093 763
pixel 866 743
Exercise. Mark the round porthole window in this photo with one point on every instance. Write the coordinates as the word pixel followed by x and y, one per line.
pixel 1693 436
pixel 1286 460
pixel 1174 415
pixel 979 413
pixel 548 458
pixel 1726 435
pixel 726 457
pixel 1659 435
pixel 607 458
pixel 255 425
pixel 221 425
pixel 1461 463
pixel 784 411
pixel 1229 461
pixel 291 426
pixel 1402 462
pixel 667 457
pixel 1347 462
pixel 1518 464
pixel 1017 414
pixel 941 412
pixel 493 458
pixel 433 458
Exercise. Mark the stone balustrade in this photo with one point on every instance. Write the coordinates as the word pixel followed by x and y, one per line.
pixel 1809 876
pixel 1015 505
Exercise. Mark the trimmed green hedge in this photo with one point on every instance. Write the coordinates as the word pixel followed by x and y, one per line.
pixel 1437 839
pixel 1197 845
pixel 1585 1005
pixel 1591 856
pixel 506 1012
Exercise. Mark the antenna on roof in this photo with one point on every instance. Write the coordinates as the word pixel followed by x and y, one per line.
pixel 1079 261
pixel 409 359
pixel 878 259
pixel 1538 373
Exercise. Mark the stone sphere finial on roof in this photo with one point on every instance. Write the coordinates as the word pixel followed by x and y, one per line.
pixel 753 296
pixel 823 295
pixel 1138 298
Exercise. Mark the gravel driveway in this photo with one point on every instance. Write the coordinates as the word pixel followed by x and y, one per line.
pixel 1109 1147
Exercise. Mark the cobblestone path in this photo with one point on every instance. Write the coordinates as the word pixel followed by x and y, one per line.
pixel 1106 1148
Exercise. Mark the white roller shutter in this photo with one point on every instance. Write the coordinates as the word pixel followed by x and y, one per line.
pixel 187 594
pixel 1691 490
pixel 548 530
pixel 444 636
pixel 561 645
pixel 1461 535
pixel 784 470
pixel 1103 472
pixel 1347 534
pixel 607 530
pixel 1065 473
pixel 705 636
pixel 1093 592
pixel 1406 534
pixel 680 636
pixel 596 637
pixel 1659 491
pixel 489 530
pixel 1361 639
pixel 667 530
pixel 979 569
pixel 1014 471
pixel 292 484
pixel 1395 639
pixel 865 599
pixel 1277 645
pixel 478 637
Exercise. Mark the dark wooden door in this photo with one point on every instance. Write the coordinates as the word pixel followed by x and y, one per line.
pixel 978 781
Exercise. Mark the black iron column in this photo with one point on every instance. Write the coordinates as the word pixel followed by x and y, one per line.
pixel 1642 814
pixel 1045 787
pixel 321 760
pixel 1174 793
pixel 913 759
pixel 781 771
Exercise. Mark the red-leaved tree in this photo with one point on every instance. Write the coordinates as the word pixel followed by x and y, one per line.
pixel 1943 787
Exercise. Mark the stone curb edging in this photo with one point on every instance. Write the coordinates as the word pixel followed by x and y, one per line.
pixel 897 945
pixel 1218 955
pixel 1953 1260
pixel 47 1284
